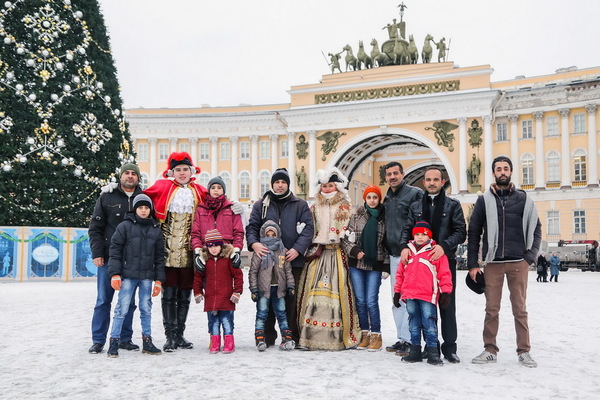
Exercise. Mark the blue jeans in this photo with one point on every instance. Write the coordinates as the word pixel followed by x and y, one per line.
pixel 218 318
pixel 126 296
pixel 400 314
pixel 278 305
pixel 422 314
pixel 366 290
pixel 101 318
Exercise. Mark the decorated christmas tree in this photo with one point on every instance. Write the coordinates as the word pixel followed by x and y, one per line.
pixel 62 133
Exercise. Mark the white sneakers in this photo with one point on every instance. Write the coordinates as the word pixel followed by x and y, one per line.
pixel 526 360
pixel 487 358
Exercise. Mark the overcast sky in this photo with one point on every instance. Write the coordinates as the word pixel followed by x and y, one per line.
pixel 186 53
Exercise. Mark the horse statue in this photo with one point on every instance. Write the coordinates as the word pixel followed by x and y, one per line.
pixel 351 61
pixel 413 53
pixel 427 49
pixel 400 55
pixel 377 56
pixel 363 58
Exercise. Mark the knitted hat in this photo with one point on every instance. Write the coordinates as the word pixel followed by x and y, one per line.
pixel 422 227
pixel 280 173
pixel 502 159
pixel 141 200
pixel 176 159
pixel 219 181
pixel 372 189
pixel 129 167
pixel 213 238
pixel 478 286
pixel 270 225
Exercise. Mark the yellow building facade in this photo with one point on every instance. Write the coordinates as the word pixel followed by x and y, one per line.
pixel 419 115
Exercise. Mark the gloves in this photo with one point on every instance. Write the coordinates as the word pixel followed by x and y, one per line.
pixel 444 300
pixel 254 296
pixel 235 298
pixel 300 227
pixel 236 259
pixel 156 289
pixel 351 236
pixel 199 263
pixel 115 282
pixel 237 208
pixel 385 275
pixel 109 187
pixel 291 292
pixel 397 300
pixel 198 298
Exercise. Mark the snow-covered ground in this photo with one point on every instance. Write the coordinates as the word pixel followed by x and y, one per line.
pixel 45 336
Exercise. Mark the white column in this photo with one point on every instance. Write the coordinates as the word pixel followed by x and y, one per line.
pixel 214 142
pixel 152 151
pixel 234 192
pixel 462 156
pixel 592 145
pixel 254 180
pixel 312 163
pixel 194 148
pixel 540 180
pixel 565 159
pixel 274 154
pixel 514 149
pixel 173 143
pixel 292 161
pixel 487 143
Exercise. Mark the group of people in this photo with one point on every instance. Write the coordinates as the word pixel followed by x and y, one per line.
pixel 542 267
pixel 316 270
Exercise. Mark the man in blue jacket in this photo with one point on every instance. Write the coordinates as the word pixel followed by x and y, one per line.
pixel 297 228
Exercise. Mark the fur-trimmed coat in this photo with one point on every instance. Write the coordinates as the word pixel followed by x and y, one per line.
pixel 331 217
pixel 219 280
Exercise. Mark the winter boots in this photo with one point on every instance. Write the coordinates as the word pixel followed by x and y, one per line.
pixel 433 357
pixel 149 347
pixel 287 343
pixel 375 342
pixel 215 344
pixel 364 341
pixel 183 306
pixel 228 344
pixel 414 354
pixel 259 337
pixel 169 311
pixel 113 349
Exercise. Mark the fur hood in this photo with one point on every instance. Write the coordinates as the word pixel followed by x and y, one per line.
pixel 226 251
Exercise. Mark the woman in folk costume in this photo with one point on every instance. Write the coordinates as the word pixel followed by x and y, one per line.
pixel 175 201
pixel 327 317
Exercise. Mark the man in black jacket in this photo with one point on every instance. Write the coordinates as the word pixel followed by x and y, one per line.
pixel 447 221
pixel 109 212
pixel 511 230
pixel 397 200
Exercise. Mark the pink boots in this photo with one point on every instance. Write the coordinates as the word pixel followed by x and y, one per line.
pixel 215 344
pixel 229 345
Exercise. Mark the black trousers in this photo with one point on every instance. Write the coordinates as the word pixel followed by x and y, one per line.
pixel 448 316
pixel 291 312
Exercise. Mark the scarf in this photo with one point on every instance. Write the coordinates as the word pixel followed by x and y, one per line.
pixel 273 244
pixel 214 204
pixel 438 211
pixel 277 198
pixel 369 236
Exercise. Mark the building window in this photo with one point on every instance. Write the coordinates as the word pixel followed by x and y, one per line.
pixel 501 132
pixel 245 185
pixel 224 151
pixel 284 150
pixel 527 127
pixel 552 126
pixel 203 153
pixel 142 152
pixel 163 151
pixel 553 166
pixel 527 168
pixel 244 150
pixel 579 221
pixel 553 223
pixel 265 182
pixel 184 147
pixel 579 123
pixel 226 178
pixel 144 181
pixel 204 178
pixel 580 165
pixel 265 149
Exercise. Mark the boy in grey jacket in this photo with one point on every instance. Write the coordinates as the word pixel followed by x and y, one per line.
pixel 271 280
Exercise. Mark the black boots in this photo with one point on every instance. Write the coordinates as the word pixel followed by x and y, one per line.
pixel 149 347
pixel 287 343
pixel 259 338
pixel 113 349
pixel 433 356
pixel 128 345
pixel 183 306
pixel 169 311
pixel 414 354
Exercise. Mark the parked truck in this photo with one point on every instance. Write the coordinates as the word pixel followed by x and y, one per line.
pixel 582 254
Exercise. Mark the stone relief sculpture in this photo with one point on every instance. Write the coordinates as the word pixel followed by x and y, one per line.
pixel 475 134
pixel 382 175
pixel 331 140
pixel 441 131
pixel 302 147
pixel 302 180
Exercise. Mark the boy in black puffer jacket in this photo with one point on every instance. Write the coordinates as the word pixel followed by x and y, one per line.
pixel 136 261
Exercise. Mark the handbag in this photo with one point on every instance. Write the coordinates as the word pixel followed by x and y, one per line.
pixel 313 252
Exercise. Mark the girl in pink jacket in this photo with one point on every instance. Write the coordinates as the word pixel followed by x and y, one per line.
pixel 420 284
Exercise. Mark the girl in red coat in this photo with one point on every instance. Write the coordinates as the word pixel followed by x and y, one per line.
pixel 420 283
pixel 220 286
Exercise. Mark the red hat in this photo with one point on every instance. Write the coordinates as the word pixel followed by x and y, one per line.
pixel 422 227
pixel 176 159
pixel 213 238
pixel 372 189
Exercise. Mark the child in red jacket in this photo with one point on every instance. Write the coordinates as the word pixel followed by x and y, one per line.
pixel 220 286
pixel 420 284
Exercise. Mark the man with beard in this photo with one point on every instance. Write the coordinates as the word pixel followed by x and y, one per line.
pixel 447 221
pixel 109 212
pixel 296 222
pixel 511 230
